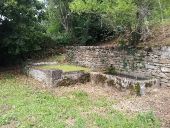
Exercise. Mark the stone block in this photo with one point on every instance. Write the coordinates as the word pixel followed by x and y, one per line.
pixel 165 69
pixel 164 61
pixel 151 66
pixel 123 82
pixel 46 76
pixel 165 84
pixel 53 78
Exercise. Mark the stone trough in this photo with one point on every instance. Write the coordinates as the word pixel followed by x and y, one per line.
pixel 55 77
pixel 137 85
pixel 122 82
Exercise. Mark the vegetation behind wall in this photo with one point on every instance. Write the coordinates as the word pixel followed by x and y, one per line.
pixel 30 26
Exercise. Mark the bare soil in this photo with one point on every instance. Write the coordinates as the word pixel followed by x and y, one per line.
pixel 156 100
pixel 160 36
pixel 12 124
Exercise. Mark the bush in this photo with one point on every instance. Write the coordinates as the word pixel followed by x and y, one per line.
pixel 88 29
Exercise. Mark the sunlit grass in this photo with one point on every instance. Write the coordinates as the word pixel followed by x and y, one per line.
pixel 65 67
pixel 32 108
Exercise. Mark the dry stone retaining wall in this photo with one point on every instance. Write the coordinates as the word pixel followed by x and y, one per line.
pixel 154 62
pixel 158 63
pixel 98 57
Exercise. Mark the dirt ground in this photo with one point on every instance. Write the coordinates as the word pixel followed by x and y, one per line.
pixel 156 100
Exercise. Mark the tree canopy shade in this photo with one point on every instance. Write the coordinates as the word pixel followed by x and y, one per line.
pixel 20 26
pixel 26 24
pixel 115 12
pixel 91 21
pixel 59 20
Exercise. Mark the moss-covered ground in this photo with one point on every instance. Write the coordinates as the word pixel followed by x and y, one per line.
pixel 65 67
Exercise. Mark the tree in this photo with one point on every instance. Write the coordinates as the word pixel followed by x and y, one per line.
pixel 119 15
pixel 134 16
pixel 85 21
pixel 118 12
pixel 59 25
pixel 21 31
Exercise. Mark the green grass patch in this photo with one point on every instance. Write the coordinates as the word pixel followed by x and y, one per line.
pixel 118 120
pixel 32 108
pixel 65 67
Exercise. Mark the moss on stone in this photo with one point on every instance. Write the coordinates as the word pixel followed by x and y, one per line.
pixel 65 67
pixel 100 79
pixel 135 89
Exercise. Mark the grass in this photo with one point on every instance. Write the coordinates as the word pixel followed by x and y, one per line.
pixel 32 108
pixel 65 67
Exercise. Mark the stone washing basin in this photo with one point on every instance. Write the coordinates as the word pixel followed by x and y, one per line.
pixel 124 82
pixel 52 76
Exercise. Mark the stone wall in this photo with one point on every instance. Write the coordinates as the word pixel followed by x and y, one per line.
pixel 151 62
pixel 158 63
pixel 101 57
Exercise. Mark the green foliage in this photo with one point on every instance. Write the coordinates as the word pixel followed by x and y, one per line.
pixel 85 22
pixel 24 27
pixel 89 29
pixel 59 21
pixel 66 26
pixel 134 16
pixel 119 12
pixel 21 31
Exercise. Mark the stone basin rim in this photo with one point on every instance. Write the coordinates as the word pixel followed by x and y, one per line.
pixel 35 66
pixel 129 77
pixel 40 69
